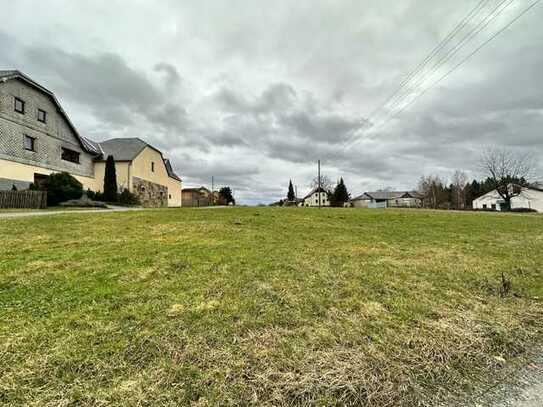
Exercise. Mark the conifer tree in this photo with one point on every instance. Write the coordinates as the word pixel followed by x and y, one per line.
pixel 110 181
pixel 291 195
pixel 225 196
pixel 340 194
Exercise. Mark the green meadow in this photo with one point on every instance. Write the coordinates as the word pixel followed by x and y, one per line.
pixel 266 306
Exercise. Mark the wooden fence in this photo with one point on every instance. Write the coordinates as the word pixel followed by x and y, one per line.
pixel 23 199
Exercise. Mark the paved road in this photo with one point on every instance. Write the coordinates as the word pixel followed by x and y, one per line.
pixel 8 215
pixel 525 389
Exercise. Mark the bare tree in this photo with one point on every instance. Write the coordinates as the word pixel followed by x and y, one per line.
pixel 325 183
pixel 433 191
pixel 508 172
pixel 458 189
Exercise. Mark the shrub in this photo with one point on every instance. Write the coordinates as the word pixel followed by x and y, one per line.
pixel 128 198
pixel 91 194
pixel 62 187
pixel 523 210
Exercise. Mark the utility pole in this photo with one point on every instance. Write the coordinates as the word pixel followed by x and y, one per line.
pixel 296 191
pixel 319 182
pixel 212 190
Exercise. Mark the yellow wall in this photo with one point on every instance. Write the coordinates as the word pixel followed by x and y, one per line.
pixel 174 192
pixel 141 168
pixel 25 172
pixel 121 170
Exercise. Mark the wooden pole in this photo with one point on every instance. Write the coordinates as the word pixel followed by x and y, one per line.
pixel 319 180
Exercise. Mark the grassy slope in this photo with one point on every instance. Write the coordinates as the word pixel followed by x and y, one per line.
pixel 276 306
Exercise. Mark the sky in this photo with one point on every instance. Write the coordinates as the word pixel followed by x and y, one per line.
pixel 255 92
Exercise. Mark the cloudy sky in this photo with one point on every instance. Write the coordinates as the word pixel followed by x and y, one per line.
pixel 254 92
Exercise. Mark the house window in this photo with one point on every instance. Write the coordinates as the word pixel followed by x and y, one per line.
pixel 42 116
pixel 170 196
pixel 493 206
pixel 29 143
pixel 70 155
pixel 19 106
pixel 152 166
pixel 484 206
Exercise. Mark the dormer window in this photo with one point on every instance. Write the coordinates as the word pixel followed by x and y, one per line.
pixel 42 116
pixel 19 106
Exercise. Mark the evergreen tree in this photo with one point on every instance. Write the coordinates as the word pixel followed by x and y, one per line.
pixel 473 191
pixel 110 181
pixel 225 196
pixel 291 195
pixel 340 194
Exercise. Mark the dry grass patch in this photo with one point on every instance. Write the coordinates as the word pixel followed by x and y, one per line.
pixel 265 306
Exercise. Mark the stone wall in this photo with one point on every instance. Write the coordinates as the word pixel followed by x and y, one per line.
pixel 150 195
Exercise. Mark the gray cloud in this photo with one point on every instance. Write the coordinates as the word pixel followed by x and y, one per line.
pixel 254 94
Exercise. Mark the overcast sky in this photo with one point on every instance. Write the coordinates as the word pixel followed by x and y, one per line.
pixel 254 92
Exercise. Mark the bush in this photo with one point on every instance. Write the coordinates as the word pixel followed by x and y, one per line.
pixel 128 198
pixel 62 187
pixel 523 210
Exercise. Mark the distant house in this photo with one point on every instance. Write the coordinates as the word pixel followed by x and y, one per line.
pixel 38 139
pixel 312 199
pixel 387 199
pixel 197 197
pixel 530 197
pixel 360 201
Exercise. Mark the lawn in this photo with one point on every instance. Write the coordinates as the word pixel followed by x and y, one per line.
pixel 262 306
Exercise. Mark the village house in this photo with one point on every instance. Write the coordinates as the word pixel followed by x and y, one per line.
pixel 37 139
pixel 530 197
pixel 387 199
pixel 312 198
pixel 197 197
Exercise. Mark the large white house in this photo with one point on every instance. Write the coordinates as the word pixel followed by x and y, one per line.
pixel 312 199
pixel 530 197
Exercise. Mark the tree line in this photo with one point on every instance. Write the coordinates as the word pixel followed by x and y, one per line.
pixel 506 172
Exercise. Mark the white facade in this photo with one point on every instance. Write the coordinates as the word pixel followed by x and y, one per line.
pixel 313 199
pixel 529 198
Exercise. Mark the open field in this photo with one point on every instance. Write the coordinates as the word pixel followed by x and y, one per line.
pixel 265 306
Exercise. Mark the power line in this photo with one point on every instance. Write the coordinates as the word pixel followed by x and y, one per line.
pixel 446 58
pixel 458 65
pixel 432 53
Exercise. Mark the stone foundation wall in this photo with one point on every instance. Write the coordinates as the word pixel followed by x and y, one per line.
pixel 151 195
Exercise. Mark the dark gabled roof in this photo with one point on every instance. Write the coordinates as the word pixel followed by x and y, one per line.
pixel 538 186
pixel 199 190
pixel 314 191
pixel 7 75
pixel 363 197
pixel 170 170
pixel 388 195
pixel 127 149
pixel 122 149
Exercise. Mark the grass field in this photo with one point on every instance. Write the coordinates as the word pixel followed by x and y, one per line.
pixel 265 306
